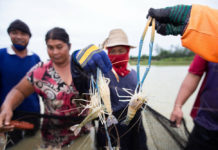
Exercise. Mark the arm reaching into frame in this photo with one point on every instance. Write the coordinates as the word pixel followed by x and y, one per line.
pixel 197 24
pixel 14 98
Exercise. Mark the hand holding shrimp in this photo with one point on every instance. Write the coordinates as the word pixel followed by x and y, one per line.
pixel 5 119
pixel 104 90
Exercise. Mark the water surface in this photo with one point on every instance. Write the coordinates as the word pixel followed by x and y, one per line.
pixel 161 87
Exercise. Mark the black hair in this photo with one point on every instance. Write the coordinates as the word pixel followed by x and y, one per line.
pixel 57 34
pixel 19 25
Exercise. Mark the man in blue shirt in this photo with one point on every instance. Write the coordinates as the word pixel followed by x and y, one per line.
pixel 15 62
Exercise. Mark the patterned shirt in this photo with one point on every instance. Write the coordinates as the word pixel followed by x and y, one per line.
pixel 59 99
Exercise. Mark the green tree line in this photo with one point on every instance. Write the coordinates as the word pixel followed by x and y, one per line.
pixel 176 55
pixel 173 52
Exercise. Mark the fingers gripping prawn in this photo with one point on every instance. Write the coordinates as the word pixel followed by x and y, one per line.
pixel 104 90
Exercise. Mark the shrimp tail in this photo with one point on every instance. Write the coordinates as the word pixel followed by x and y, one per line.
pixel 126 121
pixel 130 115
pixel 111 120
pixel 76 129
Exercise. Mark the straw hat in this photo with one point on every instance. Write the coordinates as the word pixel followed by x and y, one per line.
pixel 116 37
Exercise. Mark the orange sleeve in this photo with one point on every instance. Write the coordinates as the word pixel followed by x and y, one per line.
pixel 201 34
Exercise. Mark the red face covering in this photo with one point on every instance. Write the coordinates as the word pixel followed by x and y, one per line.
pixel 119 62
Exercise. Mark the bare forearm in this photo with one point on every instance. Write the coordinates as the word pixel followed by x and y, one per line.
pixel 13 99
pixel 23 89
pixel 187 88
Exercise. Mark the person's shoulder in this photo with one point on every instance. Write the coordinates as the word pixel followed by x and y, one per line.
pixel 132 75
pixel 36 56
pixel 40 66
pixel 198 66
pixel 3 50
pixel 132 71
pixel 3 53
pixel 33 55
pixel 198 61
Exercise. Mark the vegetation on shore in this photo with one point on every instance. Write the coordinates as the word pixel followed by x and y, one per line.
pixel 174 56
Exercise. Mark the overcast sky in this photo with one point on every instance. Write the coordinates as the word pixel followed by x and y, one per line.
pixel 86 21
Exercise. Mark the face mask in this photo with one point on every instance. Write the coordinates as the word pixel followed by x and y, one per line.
pixel 119 63
pixel 19 47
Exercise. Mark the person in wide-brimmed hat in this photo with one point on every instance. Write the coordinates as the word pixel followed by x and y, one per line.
pixel 121 77
pixel 117 37
pixel 118 51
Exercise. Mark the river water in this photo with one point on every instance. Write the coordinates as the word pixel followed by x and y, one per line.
pixel 161 87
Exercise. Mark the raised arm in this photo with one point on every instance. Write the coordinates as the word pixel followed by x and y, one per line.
pixel 197 25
